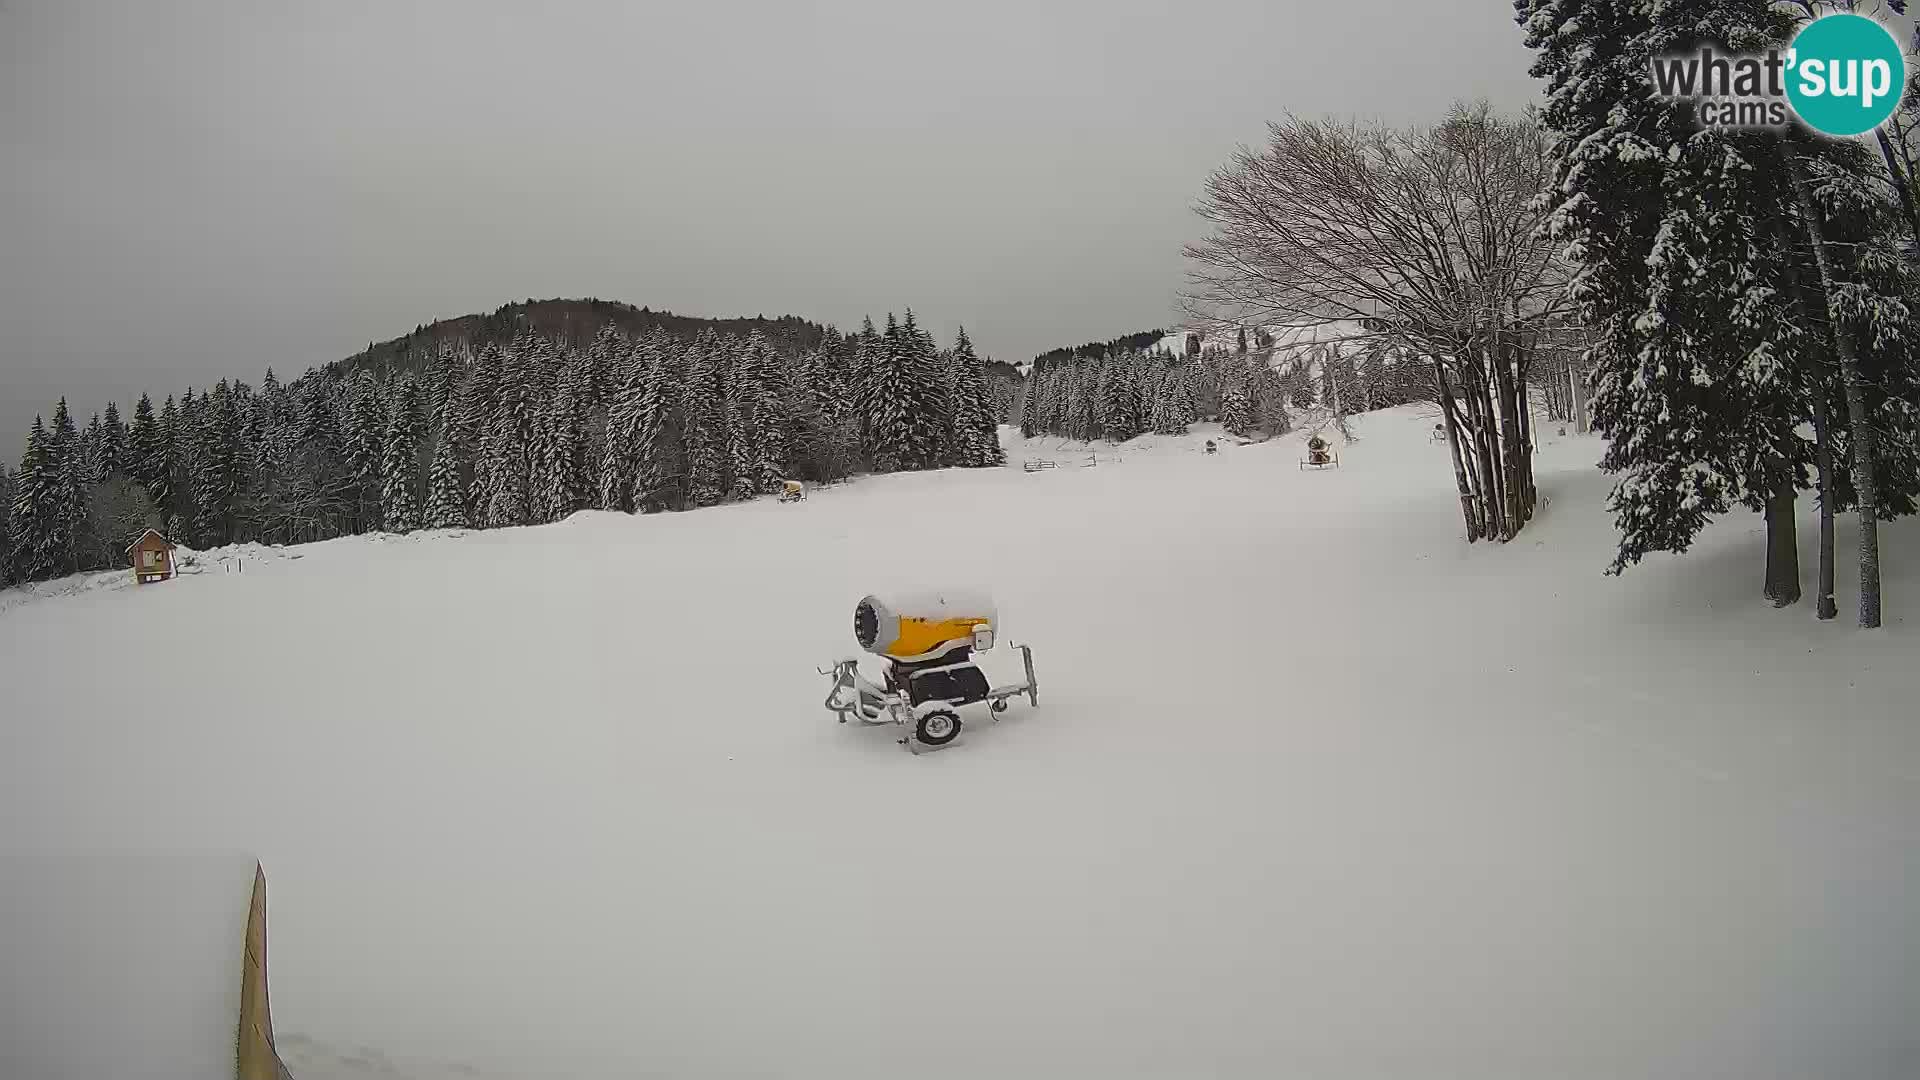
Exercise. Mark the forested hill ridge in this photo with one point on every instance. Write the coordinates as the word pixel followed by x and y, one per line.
pixel 523 430
pixel 1125 343
pixel 572 324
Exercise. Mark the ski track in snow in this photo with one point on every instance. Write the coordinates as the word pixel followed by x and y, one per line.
pixel 1314 787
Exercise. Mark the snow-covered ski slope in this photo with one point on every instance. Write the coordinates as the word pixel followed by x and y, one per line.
pixel 1314 788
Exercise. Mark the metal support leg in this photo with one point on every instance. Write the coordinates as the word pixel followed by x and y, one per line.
pixel 1033 684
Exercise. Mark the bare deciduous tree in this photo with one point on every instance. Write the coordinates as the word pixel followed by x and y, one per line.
pixel 1427 237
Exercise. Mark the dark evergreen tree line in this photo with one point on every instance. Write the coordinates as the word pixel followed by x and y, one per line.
pixel 1141 341
pixel 520 433
pixel 1122 394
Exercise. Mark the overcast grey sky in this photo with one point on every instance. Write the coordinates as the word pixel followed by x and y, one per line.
pixel 197 190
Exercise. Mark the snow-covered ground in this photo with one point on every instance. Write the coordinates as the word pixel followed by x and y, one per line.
pixel 121 967
pixel 1314 788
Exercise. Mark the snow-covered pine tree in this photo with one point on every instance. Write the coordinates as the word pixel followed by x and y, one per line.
pixel 584 433
pixel 1238 410
pixel 323 484
pixel 1048 418
pixel 505 472
pixel 762 384
pixel 866 353
pixel 659 455
pixel 365 429
pixel 1270 401
pixel 606 364
pixel 1147 369
pixel 446 493
pixel 736 423
pixel 1059 397
pixel 275 481
pixel 557 479
pixel 976 422
pixel 479 396
pixel 703 421
pixel 400 465
pixel 920 377
pixel 36 542
pixel 891 400
pixel 941 452
pixel 249 415
pixel 6 526
pixel 93 465
pixel 444 376
pixel 70 498
pixel 268 408
pixel 545 457
pixel 143 440
pixel 1155 383
pixel 1076 400
pixel 966 408
pixel 1118 395
pixel 185 444
pixel 217 469
pixel 1669 227
pixel 160 480
pixel 619 450
pixel 814 379
pixel 829 382
pixel 592 418
pixel 550 359
pixel 1030 417
pixel 824 444
pixel 1300 389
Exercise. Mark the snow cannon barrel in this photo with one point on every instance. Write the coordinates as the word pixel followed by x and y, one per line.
pixel 921 626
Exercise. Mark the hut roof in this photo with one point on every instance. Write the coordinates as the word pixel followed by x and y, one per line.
pixel 170 545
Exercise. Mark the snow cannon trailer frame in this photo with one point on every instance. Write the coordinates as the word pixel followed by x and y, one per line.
pixel 927 643
pixel 927 706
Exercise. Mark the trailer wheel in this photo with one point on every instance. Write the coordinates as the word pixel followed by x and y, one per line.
pixel 937 727
pixel 999 705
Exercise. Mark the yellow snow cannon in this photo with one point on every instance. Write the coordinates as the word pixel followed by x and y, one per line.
pixel 928 641
pixel 914 627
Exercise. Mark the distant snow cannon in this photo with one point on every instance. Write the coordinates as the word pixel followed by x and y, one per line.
pixel 927 640
pixel 1319 454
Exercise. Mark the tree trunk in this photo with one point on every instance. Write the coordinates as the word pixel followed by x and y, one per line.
pixel 1517 440
pixel 1852 381
pixel 1513 441
pixel 1477 461
pixel 1783 546
pixel 1578 387
pixel 1468 511
pixel 1901 183
pixel 1492 468
pixel 1823 605
pixel 1529 494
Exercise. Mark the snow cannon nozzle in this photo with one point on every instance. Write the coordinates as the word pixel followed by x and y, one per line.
pixel 924 625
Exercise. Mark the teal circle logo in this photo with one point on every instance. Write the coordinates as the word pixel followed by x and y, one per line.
pixel 1845 74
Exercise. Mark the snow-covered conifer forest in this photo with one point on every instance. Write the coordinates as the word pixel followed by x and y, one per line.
pixel 521 430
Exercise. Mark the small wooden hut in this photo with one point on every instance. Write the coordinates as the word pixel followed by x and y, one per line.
pixel 152 557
